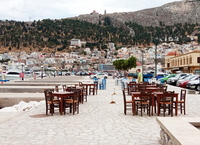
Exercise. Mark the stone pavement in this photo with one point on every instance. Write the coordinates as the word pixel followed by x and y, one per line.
pixel 98 123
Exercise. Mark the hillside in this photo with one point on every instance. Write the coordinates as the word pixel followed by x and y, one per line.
pixel 169 14
pixel 170 22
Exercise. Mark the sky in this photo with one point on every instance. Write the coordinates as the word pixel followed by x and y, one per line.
pixel 30 10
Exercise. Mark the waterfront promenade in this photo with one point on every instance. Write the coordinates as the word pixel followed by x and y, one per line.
pixel 98 123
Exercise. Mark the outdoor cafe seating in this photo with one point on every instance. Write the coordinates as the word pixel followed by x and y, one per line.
pixel 68 97
pixel 158 102
pixel 51 102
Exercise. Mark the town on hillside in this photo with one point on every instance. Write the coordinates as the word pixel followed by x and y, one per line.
pixel 171 58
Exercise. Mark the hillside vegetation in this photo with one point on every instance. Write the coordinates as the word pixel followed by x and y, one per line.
pixel 49 36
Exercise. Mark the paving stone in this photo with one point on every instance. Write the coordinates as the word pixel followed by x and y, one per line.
pixel 98 122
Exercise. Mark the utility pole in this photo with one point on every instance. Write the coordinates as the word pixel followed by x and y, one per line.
pixel 156 42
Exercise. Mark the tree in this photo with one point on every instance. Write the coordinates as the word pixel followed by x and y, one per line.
pixel 125 65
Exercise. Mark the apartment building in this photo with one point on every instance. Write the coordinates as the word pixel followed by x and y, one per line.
pixel 187 63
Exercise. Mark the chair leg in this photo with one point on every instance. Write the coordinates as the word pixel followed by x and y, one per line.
pixel 158 109
pixel 46 109
pixel 184 108
pixel 164 109
pixel 124 109
pixel 149 106
pixel 181 107
pixel 171 110
pixel 51 109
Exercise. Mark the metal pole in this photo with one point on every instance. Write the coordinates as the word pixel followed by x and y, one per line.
pixel 22 72
pixel 42 72
pixel 142 61
pixel 156 61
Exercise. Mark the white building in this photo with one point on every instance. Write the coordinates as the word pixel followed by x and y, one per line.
pixel 76 42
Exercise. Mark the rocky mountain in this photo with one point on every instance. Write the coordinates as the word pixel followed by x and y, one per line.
pixel 186 11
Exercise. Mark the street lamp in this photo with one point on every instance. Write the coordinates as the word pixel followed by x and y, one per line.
pixel 22 74
pixel 42 72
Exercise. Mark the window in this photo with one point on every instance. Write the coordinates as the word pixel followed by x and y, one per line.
pixel 186 60
pixel 181 61
pixel 190 61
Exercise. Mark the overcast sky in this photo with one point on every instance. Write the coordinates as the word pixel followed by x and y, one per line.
pixel 25 10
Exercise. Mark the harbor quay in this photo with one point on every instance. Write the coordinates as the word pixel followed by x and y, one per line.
pixel 98 123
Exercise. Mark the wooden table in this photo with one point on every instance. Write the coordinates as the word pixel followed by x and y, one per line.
pixel 160 94
pixel 137 94
pixel 62 95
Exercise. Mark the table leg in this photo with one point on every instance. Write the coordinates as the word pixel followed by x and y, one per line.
pixel 61 106
pixel 133 107
pixel 87 90
pixel 176 110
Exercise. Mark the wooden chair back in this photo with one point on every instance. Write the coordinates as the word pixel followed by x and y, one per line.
pixel 183 95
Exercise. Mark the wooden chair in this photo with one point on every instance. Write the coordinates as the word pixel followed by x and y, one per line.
pixel 70 87
pixel 132 88
pixel 146 83
pixel 127 104
pixel 141 88
pixel 181 101
pixel 92 89
pixel 166 102
pixel 56 88
pixel 64 87
pixel 73 102
pixel 51 103
pixel 80 84
pixel 84 93
pixel 132 83
pixel 144 102
pixel 164 88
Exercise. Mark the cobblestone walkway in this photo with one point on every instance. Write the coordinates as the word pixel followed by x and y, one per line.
pixel 98 123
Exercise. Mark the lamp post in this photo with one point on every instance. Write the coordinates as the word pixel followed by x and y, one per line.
pixel 42 72
pixel 22 75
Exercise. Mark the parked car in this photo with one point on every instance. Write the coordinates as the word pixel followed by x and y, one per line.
pixel 164 80
pixel 182 83
pixel 195 85
pixel 67 74
pixel 99 75
pixel 173 80
pixel 80 73
pixel 148 75
pixel 160 75
pixel 135 75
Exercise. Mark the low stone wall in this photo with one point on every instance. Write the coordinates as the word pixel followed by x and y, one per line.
pixel 7 100
pixel 179 131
